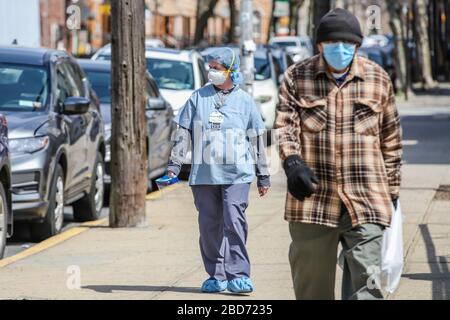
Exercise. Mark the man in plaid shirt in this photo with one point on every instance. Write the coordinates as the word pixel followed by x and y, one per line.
pixel 340 142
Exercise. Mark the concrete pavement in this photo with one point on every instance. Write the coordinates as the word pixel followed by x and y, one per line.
pixel 163 261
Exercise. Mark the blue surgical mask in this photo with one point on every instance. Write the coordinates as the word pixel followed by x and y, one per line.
pixel 339 55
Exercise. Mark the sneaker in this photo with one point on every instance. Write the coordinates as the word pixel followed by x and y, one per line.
pixel 212 286
pixel 240 285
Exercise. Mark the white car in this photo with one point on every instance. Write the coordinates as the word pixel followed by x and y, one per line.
pixel 154 43
pixel 299 47
pixel 265 86
pixel 177 73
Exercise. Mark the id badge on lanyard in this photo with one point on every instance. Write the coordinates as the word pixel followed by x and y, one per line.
pixel 216 120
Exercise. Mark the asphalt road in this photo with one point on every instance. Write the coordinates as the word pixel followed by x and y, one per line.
pixel 426 141
pixel 21 238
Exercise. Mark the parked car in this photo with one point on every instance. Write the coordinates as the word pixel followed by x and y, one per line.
pixel 177 73
pixel 154 43
pixel 56 138
pixel 265 86
pixel 159 117
pixel 299 47
pixel 6 214
pixel 282 61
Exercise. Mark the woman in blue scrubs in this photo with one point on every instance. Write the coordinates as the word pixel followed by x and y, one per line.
pixel 223 128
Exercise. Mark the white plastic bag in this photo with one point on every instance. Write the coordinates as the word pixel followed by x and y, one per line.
pixel 392 252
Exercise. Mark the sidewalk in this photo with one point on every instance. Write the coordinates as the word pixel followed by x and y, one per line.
pixel 163 260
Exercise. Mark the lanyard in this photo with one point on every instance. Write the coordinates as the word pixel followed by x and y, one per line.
pixel 221 98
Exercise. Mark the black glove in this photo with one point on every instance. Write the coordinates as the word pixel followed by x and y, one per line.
pixel 301 178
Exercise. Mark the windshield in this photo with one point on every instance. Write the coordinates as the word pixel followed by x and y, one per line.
pixel 285 44
pixel 23 87
pixel 263 71
pixel 173 75
pixel 101 83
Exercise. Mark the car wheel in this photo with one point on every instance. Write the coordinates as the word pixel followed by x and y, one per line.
pixel 3 220
pixel 54 219
pixel 89 208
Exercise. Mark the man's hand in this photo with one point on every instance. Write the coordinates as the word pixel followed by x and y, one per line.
pixel 301 179
pixel 263 191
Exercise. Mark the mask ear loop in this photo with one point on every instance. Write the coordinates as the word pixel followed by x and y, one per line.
pixel 232 61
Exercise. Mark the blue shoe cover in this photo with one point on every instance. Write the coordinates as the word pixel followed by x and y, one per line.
pixel 212 285
pixel 240 285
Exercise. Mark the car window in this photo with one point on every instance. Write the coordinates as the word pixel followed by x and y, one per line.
pixel 104 57
pixel 171 74
pixel 77 75
pixel 285 44
pixel 101 83
pixel 150 91
pixel 66 82
pixel 23 87
pixel 263 71
pixel 203 72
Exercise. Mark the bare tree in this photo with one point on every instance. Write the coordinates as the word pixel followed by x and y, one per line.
pixel 397 26
pixel 129 129
pixel 294 7
pixel 205 10
pixel 231 32
pixel 319 9
pixel 423 44
pixel 272 26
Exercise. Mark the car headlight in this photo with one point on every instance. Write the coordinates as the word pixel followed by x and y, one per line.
pixel 28 145
pixel 263 99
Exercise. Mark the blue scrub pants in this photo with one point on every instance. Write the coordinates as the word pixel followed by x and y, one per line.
pixel 223 229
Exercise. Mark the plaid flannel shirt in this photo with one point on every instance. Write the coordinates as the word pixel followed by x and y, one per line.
pixel 349 135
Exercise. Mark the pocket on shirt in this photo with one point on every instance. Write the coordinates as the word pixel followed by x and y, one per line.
pixel 313 113
pixel 366 114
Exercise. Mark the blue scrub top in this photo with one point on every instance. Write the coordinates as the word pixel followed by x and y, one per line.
pixel 221 156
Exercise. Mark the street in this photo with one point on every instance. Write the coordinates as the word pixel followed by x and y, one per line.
pixel 426 141
pixel 163 261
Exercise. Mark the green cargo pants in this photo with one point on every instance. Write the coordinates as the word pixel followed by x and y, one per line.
pixel 313 258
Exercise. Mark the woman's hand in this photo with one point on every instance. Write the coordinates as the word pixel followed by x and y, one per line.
pixel 263 191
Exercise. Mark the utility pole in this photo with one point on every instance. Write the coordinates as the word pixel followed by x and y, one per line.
pixel 129 128
pixel 248 46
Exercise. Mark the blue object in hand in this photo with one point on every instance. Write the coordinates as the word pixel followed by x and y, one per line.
pixel 166 181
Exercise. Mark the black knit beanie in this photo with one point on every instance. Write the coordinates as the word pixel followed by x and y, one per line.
pixel 339 25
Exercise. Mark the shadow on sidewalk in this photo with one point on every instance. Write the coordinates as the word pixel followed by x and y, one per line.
pixel 440 273
pixel 111 288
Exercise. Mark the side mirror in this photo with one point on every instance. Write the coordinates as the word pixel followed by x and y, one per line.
pixel 156 104
pixel 76 105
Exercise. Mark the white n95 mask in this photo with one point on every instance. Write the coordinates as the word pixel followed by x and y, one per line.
pixel 216 77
